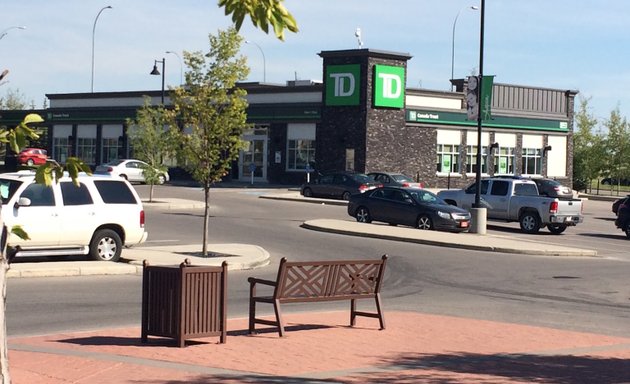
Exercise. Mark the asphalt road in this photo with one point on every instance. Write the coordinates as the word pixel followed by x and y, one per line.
pixel 586 294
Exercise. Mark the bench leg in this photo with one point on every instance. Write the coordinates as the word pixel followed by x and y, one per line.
pixel 276 308
pixel 353 310
pixel 252 309
pixel 379 310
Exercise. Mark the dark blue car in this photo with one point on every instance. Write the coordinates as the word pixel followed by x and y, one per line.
pixel 414 207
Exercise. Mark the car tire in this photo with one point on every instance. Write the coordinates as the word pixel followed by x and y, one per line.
pixel 345 196
pixel 363 215
pixel 626 229
pixel 30 162
pixel 557 229
pixel 424 222
pixel 307 192
pixel 105 245
pixel 123 176
pixel 161 180
pixel 530 222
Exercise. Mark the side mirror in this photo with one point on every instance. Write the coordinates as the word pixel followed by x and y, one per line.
pixel 23 202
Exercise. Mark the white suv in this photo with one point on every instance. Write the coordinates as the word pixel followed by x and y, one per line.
pixel 96 218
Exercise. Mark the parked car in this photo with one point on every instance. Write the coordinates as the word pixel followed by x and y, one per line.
pixel 617 203
pixel 129 169
pixel 32 156
pixel 552 188
pixel 339 185
pixel 395 179
pixel 517 199
pixel 414 207
pixel 96 218
pixel 623 216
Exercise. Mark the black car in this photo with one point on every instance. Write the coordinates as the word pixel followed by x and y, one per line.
pixel 339 185
pixel 623 216
pixel 552 188
pixel 408 206
pixel 617 203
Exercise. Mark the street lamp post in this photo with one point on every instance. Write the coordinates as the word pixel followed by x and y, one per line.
pixel 181 70
pixel 93 31
pixel 478 212
pixel 156 72
pixel 3 33
pixel 264 60
pixel 472 7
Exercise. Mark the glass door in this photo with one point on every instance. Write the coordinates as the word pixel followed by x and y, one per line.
pixel 253 159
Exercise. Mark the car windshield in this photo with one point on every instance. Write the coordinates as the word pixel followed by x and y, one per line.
pixel 361 178
pixel 401 178
pixel 422 196
pixel 8 188
pixel 114 162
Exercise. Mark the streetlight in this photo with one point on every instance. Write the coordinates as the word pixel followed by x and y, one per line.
pixel 94 30
pixel 472 7
pixel 264 61
pixel 156 72
pixel 478 212
pixel 181 71
pixel 8 29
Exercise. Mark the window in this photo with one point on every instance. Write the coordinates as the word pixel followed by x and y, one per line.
pixel 500 187
pixel 61 149
pixel 525 190
pixel 448 158
pixel 40 195
pixel 472 189
pixel 504 161
pixel 300 153
pixel 73 195
pixel 86 149
pixel 532 161
pixel 8 188
pixel 111 148
pixel 471 157
pixel 114 192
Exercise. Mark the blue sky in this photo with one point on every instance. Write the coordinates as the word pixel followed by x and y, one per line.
pixel 566 44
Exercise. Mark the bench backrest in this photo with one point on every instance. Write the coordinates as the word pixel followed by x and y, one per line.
pixel 328 280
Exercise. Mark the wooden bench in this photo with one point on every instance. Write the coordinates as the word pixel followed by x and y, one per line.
pixel 314 281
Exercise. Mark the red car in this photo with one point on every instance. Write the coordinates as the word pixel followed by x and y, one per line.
pixel 32 156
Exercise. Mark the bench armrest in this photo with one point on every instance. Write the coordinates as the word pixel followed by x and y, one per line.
pixel 255 280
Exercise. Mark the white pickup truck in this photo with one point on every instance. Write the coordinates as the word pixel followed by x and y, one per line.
pixel 509 199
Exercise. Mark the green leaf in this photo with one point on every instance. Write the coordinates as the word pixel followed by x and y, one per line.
pixel 18 231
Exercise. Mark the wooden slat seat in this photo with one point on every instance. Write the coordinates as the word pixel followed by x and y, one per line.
pixel 315 281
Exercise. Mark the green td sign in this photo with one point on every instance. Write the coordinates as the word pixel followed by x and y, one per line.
pixel 342 84
pixel 389 86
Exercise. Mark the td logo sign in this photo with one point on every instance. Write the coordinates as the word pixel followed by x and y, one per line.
pixel 389 86
pixel 342 84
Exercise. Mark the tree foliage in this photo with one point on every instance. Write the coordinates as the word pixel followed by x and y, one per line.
pixel 212 112
pixel 617 156
pixel 153 138
pixel 588 147
pixel 13 99
pixel 262 13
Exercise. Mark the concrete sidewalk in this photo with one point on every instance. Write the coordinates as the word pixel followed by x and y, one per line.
pixel 320 347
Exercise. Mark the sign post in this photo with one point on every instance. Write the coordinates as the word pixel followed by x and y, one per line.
pixel 252 169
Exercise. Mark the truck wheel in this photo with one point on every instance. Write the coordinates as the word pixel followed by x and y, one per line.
pixel 363 215
pixel 627 230
pixel 557 229
pixel 105 245
pixel 345 196
pixel 530 222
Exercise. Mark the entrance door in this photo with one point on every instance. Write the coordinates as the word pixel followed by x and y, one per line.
pixel 253 159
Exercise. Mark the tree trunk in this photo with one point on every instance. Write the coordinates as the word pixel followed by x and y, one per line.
pixel 151 193
pixel 206 219
pixel 5 378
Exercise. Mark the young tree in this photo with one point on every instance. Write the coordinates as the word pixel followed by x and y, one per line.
pixel 261 13
pixel 212 112
pixel 153 140
pixel 588 149
pixel 617 145
pixel 14 99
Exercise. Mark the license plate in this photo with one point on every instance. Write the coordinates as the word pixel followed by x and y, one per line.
pixel 463 224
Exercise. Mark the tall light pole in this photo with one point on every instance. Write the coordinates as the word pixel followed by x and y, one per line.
pixel 478 212
pixel 472 7
pixel 93 31
pixel 4 32
pixel 264 61
pixel 156 72
pixel 181 70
